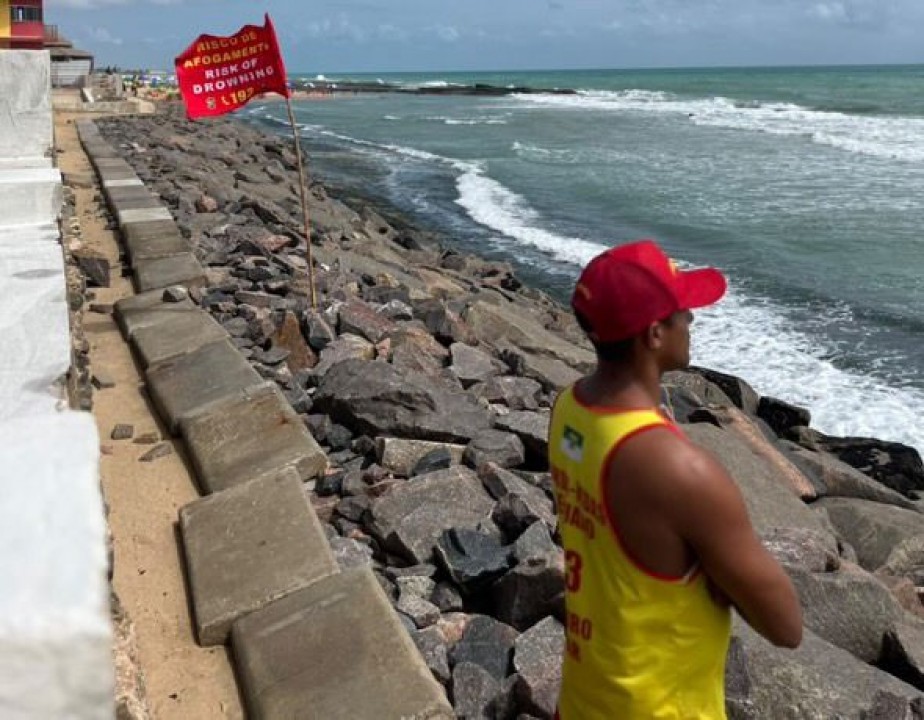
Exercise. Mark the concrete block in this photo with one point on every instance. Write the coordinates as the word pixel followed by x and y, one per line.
pixel 55 634
pixel 25 104
pixel 334 650
pixel 173 270
pixel 247 437
pixel 125 197
pixel 150 247
pixel 179 334
pixel 189 384
pixel 137 232
pixel 133 215
pixel 29 196
pixel 248 546
pixel 123 182
pixel 148 309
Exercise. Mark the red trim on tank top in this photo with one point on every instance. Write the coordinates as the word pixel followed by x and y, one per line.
pixel 694 570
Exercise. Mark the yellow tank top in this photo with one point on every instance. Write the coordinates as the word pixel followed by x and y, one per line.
pixel 639 646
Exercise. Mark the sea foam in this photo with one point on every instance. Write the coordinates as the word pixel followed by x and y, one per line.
pixel 885 137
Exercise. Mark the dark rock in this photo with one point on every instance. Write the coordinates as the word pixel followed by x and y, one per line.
pixel 738 391
pixel 411 517
pixel 94 267
pixel 818 680
pixel 330 484
pixel 517 393
pixel 353 507
pixel 363 445
pixel 532 427
pixel 317 330
pixel 474 691
pixel 122 431
pixel 236 327
pixel 471 365
pixel 850 609
pixel 157 452
pixel 533 504
pixel 298 399
pixel 441 322
pixel 537 658
pixel 175 294
pixel 532 590
pixel 551 373
pixel 800 547
pixel 375 398
pixel 289 337
pixel 873 529
pixel 422 612
pixel 486 643
pixel 338 437
pixel 358 318
pixel 425 570
pixel 318 425
pixel 502 448
pixel 273 356
pixel 447 597
pixel 682 403
pixel 346 347
pixel 889 706
pixel 385 295
pixel 833 478
pixel 401 455
pixel 350 553
pixel 903 653
pixel 419 585
pixel 781 416
pixel 415 350
pixel 147 438
pixel 397 310
pixel 907 560
pixel 439 458
pixel 435 652
pixel 472 559
pixel 534 542
pixel 895 465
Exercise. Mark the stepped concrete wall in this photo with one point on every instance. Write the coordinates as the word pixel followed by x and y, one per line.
pixel 55 635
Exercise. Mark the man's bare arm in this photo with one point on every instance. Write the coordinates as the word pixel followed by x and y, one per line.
pixel 713 519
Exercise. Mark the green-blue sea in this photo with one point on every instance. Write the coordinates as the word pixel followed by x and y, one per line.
pixel 805 185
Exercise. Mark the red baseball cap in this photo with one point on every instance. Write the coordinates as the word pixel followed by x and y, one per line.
pixel 624 290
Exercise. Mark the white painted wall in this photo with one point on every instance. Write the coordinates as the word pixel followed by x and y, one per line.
pixel 55 633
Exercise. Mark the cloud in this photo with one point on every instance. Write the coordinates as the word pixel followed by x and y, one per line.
pixel 339 28
pixel 852 13
pixel 391 32
pixel 102 35
pixel 447 33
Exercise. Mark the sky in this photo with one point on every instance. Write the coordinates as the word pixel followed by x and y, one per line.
pixel 330 36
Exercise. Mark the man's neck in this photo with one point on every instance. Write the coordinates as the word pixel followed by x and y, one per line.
pixel 623 386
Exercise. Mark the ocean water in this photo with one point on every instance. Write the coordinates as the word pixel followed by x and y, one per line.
pixel 804 185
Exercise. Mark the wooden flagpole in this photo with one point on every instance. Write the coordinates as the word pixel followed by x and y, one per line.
pixel 304 189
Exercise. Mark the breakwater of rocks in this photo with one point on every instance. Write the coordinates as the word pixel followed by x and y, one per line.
pixel 427 377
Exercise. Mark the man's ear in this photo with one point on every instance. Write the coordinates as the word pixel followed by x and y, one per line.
pixel 653 337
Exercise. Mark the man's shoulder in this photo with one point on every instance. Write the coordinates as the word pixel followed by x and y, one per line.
pixel 663 456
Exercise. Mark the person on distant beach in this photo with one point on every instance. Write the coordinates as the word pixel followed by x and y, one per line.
pixel 658 543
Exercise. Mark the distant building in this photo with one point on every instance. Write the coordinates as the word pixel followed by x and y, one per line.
pixel 70 67
pixel 21 24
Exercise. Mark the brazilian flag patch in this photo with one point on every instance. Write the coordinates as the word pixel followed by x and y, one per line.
pixel 572 444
